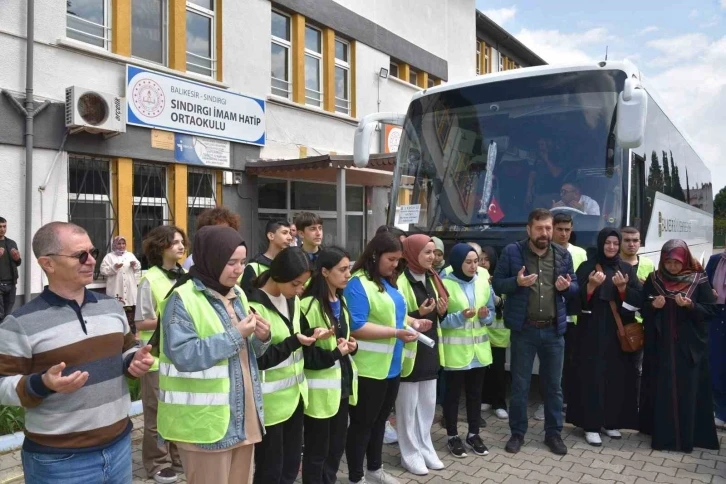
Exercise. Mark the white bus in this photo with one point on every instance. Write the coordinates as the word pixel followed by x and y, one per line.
pixel 476 157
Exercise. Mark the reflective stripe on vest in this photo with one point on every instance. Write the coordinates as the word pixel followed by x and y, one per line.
pixel 194 406
pixel 374 357
pixel 461 345
pixel 184 398
pixel 324 386
pixel 284 384
pixel 499 334
pixel 160 286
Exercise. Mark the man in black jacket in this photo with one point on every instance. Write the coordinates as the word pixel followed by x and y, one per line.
pixel 9 262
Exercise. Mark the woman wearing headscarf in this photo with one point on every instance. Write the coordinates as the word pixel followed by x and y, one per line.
pixel 439 262
pixel 465 345
pixel 210 399
pixel 604 391
pixel 122 269
pixel 676 400
pixel 426 298
pixel 716 270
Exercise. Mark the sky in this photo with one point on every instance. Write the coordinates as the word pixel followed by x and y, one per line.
pixel 680 47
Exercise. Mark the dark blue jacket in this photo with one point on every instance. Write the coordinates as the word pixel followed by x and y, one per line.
pixel 515 304
pixel 711 272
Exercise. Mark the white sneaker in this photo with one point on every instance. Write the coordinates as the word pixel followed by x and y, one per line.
pixel 381 477
pixel 362 481
pixel 485 407
pixel 433 462
pixel 593 438
pixel 390 436
pixel 613 434
pixel 417 468
pixel 539 413
pixel 501 413
pixel 719 423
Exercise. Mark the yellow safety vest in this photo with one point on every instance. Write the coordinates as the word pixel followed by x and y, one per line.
pixel 324 386
pixel 160 286
pixel 258 267
pixel 194 406
pixel 404 285
pixel 645 267
pixel 283 384
pixel 374 356
pixel 472 339
pixel 579 255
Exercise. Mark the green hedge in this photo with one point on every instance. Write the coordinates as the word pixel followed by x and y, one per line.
pixel 12 419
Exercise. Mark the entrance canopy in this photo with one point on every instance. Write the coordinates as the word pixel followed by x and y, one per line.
pixel 326 168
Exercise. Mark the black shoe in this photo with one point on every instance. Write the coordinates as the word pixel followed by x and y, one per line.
pixel 477 445
pixel 483 424
pixel 554 442
pixel 456 447
pixel 514 444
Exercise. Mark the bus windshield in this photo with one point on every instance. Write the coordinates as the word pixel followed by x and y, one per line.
pixel 486 155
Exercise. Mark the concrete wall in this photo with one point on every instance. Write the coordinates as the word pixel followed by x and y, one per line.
pixel 54 200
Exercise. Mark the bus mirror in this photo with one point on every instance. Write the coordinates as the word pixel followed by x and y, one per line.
pixel 364 131
pixel 632 111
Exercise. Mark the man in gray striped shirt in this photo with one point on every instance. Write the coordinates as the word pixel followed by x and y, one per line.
pixel 63 357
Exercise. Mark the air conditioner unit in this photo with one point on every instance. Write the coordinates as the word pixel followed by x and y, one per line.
pixel 94 111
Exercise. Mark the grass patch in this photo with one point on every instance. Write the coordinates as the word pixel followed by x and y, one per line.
pixel 12 419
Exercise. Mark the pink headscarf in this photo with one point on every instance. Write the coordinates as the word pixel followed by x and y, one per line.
pixel 412 247
pixel 115 244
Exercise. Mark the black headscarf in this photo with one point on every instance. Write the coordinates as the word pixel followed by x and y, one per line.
pixel 213 246
pixel 457 256
pixel 610 265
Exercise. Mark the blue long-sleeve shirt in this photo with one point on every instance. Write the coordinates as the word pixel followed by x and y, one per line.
pixel 456 319
pixel 359 307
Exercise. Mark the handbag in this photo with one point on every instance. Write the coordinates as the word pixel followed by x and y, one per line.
pixel 631 336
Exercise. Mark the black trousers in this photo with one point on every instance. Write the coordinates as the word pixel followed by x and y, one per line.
pixel 277 457
pixel 324 446
pixel 472 381
pixel 568 365
pixel 368 423
pixel 7 299
pixel 494 391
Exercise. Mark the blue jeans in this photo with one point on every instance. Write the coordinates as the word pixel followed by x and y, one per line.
pixel 111 465
pixel 550 347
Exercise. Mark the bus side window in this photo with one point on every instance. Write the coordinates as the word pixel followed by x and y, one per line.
pixel 638 208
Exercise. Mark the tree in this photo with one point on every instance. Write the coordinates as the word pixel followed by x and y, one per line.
pixel 655 174
pixel 719 204
pixel 667 180
pixel 676 187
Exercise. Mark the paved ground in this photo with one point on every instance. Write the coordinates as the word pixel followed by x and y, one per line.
pixel 627 461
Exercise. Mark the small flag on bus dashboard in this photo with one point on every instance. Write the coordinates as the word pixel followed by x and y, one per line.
pixel 495 211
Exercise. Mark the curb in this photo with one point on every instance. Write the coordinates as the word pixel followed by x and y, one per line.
pixel 15 441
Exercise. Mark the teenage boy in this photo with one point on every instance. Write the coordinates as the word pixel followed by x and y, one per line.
pixel 310 230
pixel 278 238
pixel 561 233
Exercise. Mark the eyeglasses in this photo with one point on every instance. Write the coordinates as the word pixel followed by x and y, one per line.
pixel 81 256
pixel 565 191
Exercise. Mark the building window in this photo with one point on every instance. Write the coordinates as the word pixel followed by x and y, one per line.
pixel 89 201
pixel 487 59
pixel 478 58
pixel 200 37
pixel 89 21
pixel 413 77
pixel 313 66
pixel 149 31
pixel 342 76
pixel 393 69
pixel 280 55
pixel 151 203
pixel 201 195
pixel 501 62
pixel 431 82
